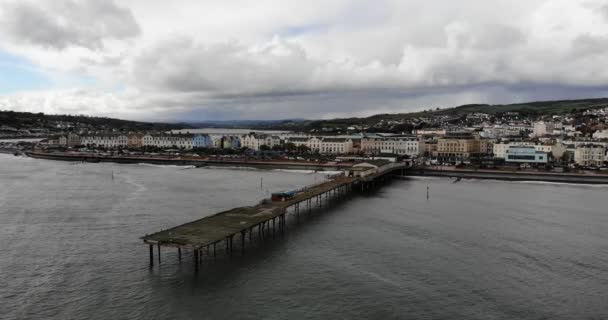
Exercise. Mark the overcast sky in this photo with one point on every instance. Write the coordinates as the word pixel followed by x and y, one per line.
pixel 277 59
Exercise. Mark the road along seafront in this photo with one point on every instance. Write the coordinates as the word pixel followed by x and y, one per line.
pixel 193 161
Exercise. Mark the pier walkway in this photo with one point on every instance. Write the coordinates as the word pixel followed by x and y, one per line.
pixel 203 236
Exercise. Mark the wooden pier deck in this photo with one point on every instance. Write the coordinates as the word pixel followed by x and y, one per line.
pixel 216 228
pixel 202 236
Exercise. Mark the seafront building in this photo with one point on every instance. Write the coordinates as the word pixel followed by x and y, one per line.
pixel 526 154
pixel 591 155
pixel 500 149
pixel 106 140
pixel 399 145
pixel 483 143
pixel 459 146
pixel 201 141
pixel 542 128
pixel 135 140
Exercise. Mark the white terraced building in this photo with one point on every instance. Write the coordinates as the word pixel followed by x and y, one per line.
pixel 396 145
pixel 324 145
pixel 336 146
pixel 590 155
pixel 105 140
pixel 255 141
pixel 184 141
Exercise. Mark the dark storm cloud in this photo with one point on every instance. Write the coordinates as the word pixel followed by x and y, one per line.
pixel 589 45
pixel 65 23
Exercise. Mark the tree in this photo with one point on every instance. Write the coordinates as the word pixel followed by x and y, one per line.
pixel 289 146
pixel 303 149
pixel 264 148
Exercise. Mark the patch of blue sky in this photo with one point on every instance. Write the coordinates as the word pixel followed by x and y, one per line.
pixel 17 74
pixel 295 31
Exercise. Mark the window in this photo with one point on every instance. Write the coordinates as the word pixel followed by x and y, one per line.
pixel 520 157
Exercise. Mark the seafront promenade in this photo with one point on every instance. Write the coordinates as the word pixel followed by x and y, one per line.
pixel 193 161
pixel 581 178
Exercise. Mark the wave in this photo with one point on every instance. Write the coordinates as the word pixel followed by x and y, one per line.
pixel 425 178
pixel 294 171
pixel 142 164
pixel 573 184
pixel 232 168
pixel 561 183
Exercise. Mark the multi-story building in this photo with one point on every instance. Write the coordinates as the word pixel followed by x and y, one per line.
pixel 230 142
pixel 542 128
pixel 397 145
pixel 498 132
pixel 428 148
pixel 255 141
pixel 183 141
pixel 458 146
pixel 603 134
pixel 336 146
pixel 201 141
pixel 590 155
pixel 500 149
pixel 107 140
pixel 135 140
pixel 314 144
pixel 431 132
pixel 250 141
pixel 526 154
pixel 73 140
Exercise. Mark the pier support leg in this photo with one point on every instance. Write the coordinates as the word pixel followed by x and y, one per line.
pixel 196 259
pixel 231 244
pixel 214 250
pixel 179 254
pixel 151 256
pixel 243 242
pixel 158 247
pixel 273 227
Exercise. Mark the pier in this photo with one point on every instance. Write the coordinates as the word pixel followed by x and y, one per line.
pixel 218 234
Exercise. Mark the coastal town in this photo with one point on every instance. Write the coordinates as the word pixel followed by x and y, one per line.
pixel 558 143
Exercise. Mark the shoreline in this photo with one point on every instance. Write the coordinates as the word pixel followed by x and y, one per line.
pixel 292 165
pixel 256 164
pixel 511 176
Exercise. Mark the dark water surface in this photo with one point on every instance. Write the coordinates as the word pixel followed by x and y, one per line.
pixel 69 248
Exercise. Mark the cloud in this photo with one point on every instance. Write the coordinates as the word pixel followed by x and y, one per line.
pixel 603 10
pixel 278 59
pixel 59 24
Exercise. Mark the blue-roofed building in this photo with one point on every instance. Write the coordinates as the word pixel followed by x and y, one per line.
pixel 202 141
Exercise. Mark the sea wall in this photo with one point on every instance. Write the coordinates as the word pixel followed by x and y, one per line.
pixel 186 162
pixel 512 176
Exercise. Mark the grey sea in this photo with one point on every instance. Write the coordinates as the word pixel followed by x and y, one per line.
pixel 70 248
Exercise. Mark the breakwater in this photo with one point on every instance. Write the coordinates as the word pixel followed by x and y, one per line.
pixel 511 176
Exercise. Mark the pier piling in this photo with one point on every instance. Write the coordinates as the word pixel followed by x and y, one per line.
pixel 213 229
pixel 158 246
pixel 151 256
